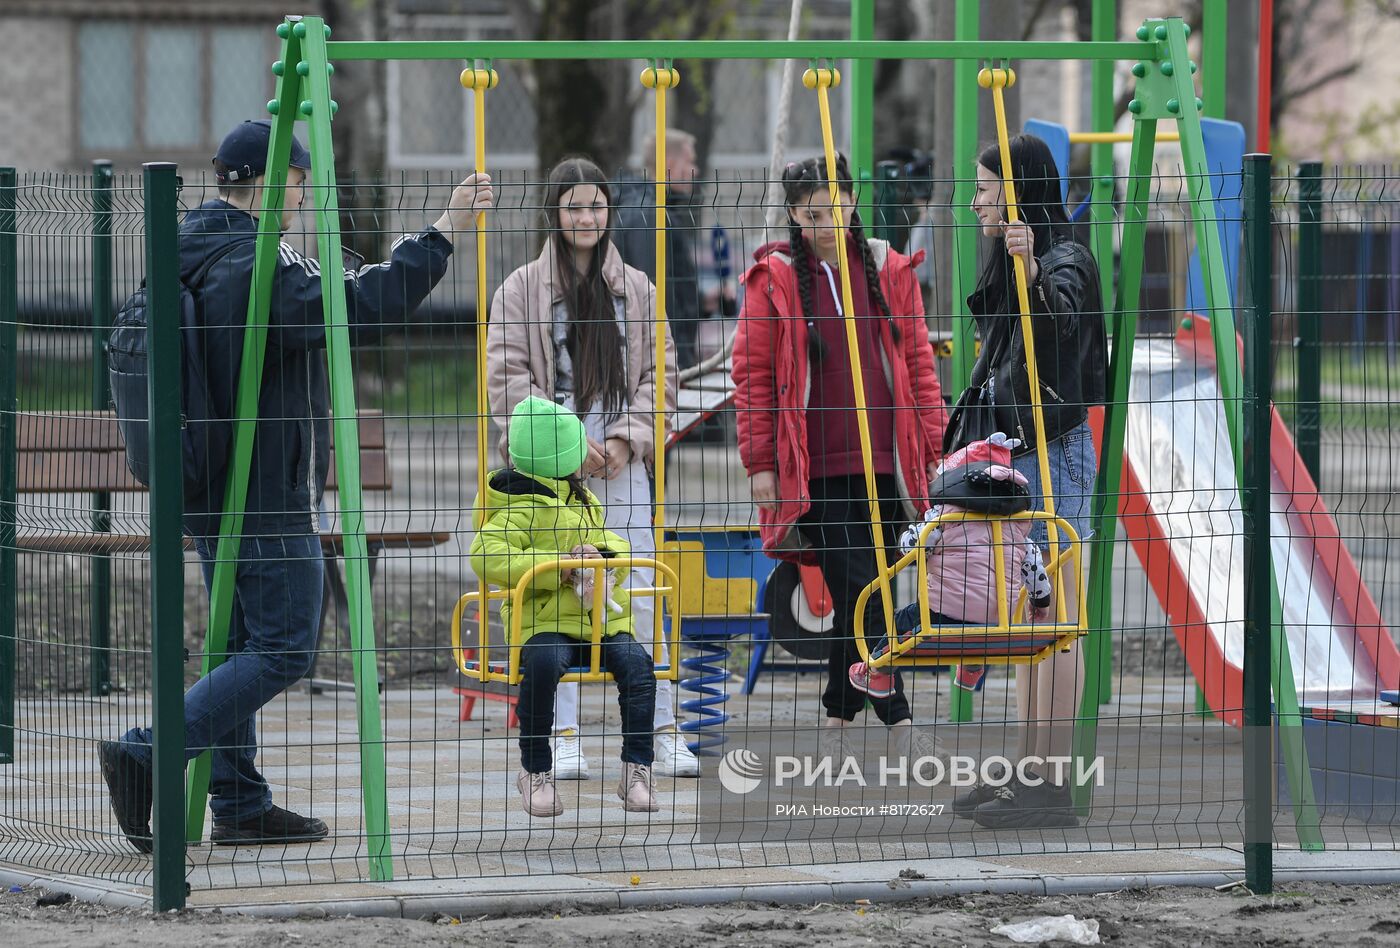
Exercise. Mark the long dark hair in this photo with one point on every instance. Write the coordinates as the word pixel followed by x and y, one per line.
pixel 801 179
pixel 594 340
pixel 1037 182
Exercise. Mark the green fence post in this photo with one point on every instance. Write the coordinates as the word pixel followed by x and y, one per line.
pixel 887 205
pixel 9 366
pixel 161 188
pixel 100 614
pixel 966 25
pixel 1254 499
pixel 1308 395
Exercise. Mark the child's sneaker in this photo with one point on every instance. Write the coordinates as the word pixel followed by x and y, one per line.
pixel 674 757
pixel 569 762
pixel 537 793
pixel 970 677
pixel 877 683
pixel 634 789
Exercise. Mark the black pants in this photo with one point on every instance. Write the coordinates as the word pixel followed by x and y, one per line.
pixel 544 659
pixel 838 526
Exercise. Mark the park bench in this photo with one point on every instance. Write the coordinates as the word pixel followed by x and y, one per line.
pixel 82 453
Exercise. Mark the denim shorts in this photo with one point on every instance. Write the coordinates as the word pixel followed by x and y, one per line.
pixel 1073 469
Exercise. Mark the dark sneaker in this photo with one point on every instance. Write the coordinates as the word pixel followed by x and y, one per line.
pixel 965 803
pixel 129 784
pixel 275 826
pixel 1018 806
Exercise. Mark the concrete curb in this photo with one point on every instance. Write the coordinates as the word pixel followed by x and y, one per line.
pixel 779 893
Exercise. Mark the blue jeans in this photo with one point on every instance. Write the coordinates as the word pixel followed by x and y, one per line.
pixel 906 620
pixel 545 657
pixel 1073 468
pixel 271 644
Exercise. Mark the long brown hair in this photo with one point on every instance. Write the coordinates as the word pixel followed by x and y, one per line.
pixel 594 340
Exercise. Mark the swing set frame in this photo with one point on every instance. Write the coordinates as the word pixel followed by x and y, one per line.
pixel 303 90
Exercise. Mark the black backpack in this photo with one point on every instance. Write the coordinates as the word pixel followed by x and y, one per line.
pixel 204 438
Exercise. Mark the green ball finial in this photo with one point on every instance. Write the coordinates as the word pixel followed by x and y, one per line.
pixel 273 106
pixel 1160 32
pixel 1186 324
pixel 335 106
pixel 1199 104
pixel 1135 107
pixel 299 31
pixel 1167 68
pixel 1187 27
pixel 284 30
pixel 306 106
pixel 1193 66
pixel 303 69
pixel 1142 33
pixel 1173 106
pixel 327 28
pixel 330 70
pixel 278 68
pixel 1139 69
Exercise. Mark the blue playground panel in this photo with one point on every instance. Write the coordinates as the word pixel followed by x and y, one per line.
pixel 1224 143
pixel 1355 770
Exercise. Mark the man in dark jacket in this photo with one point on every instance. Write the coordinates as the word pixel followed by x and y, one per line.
pixel 277 594
pixel 634 233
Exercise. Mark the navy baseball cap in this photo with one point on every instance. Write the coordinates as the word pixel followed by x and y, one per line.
pixel 244 152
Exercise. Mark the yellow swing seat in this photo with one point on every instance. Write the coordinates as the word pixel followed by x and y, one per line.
pixel 1012 640
pixel 476 662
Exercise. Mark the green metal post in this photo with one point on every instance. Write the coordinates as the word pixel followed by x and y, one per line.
pixel 1109 483
pixel 9 367
pixel 1215 56
pixel 167 540
pixel 863 107
pixel 965 236
pixel 1309 388
pixel 1098 650
pixel 887 207
pixel 373 782
pixel 1254 497
pixel 1222 325
pixel 245 407
pixel 100 614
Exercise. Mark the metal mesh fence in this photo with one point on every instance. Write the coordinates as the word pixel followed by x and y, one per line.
pixel 757 641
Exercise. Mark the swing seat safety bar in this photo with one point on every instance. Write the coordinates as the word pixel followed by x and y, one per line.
pixel 476 662
pixel 1011 641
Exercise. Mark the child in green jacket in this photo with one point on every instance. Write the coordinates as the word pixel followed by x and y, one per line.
pixel 535 512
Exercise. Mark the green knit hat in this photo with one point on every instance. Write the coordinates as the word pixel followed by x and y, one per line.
pixel 546 439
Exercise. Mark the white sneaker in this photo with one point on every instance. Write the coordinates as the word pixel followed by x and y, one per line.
pixel 569 762
pixel 673 757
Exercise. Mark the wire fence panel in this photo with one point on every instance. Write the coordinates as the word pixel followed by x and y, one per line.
pixel 766 646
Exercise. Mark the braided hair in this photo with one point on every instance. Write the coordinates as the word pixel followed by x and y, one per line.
pixel 800 181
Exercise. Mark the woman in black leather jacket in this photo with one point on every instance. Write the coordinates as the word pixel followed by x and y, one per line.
pixel 1070 345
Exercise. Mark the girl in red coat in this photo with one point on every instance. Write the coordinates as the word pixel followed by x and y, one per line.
pixel 795 405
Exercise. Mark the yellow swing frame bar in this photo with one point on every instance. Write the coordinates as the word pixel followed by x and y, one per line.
pixel 660 76
pixel 1064 566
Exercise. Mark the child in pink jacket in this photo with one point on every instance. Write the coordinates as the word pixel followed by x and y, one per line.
pixel 962 555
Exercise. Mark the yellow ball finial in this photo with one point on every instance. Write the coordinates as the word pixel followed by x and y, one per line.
pixel 649 77
pixel 479 78
pixel 984 78
pixel 835 77
pixel 809 78
pixel 1010 77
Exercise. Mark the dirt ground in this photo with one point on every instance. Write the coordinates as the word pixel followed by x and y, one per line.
pixel 1302 914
